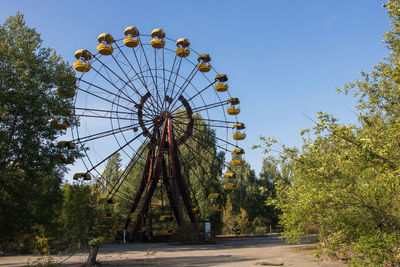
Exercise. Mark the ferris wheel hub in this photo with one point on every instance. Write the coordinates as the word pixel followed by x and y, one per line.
pixel 165 115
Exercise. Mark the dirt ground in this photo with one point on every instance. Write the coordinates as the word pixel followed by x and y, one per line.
pixel 245 251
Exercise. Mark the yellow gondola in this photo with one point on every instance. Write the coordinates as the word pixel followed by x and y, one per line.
pixel 166 218
pixel 131 32
pixel 158 38
pixel 107 204
pixel 66 144
pixel 85 176
pixel 65 160
pixel 239 126
pixel 233 101
pixel 215 199
pixel 183 50
pixel 230 175
pixel 107 215
pixel 203 59
pixel 82 64
pixel 239 133
pixel 105 48
pixel 83 54
pixel 237 162
pixel 214 195
pixel 195 210
pixel 233 110
pixel 58 126
pixel 237 151
pixel 239 136
pixel 221 86
pixel 215 207
pixel 167 231
pixel 230 186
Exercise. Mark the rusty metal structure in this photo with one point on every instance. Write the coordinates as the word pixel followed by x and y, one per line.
pixel 139 102
pixel 162 142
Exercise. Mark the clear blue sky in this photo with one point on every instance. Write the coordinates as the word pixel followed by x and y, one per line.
pixel 283 58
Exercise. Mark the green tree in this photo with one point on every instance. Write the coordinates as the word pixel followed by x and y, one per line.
pixel 344 182
pixel 111 173
pixel 228 217
pixel 30 174
pixel 243 222
pixel 78 217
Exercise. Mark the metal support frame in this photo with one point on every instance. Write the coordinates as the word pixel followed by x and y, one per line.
pixel 156 167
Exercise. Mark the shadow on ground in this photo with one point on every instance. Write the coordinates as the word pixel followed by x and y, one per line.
pixel 177 261
pixel 221 244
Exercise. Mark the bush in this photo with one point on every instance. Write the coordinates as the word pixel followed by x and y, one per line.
pixel 40 245
pixel 261 230
pixel 189 234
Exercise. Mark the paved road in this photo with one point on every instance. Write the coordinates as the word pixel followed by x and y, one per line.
pixel 248 251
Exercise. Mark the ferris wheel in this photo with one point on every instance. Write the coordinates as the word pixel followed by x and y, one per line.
pixel 145 96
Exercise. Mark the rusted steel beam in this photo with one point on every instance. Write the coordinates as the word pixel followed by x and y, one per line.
pixel 177 173
pixel 154 179
pixel 167 184
pixel 172 171
pixel 142 186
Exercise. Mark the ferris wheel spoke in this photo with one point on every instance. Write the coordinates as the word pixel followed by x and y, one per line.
pixel 204 107
pixel 189 165
pixel 111 83
pixel 102 110
pixel 200 124
pixel 214 136
pixel 183 87
pixel 163 68
pixel 95 136
pixel 149 68
pixel 130 64
pixel 195 95
pixel 116 151
pixel 103 89
pixel 196 139
pixel 191 190
pixel 101 178
pixel 140 70
pixel 104 117
pixel 127 171
pixel 104 113
pixel 155 70
pixel 170 73
pixel 131 165
pixel 196 156
pixel 93 113
pixel 211 152
pixel 176 77
pixel 105 99
pixel 141 79
pixel 103 183
pixel 127 77
pixel 212 120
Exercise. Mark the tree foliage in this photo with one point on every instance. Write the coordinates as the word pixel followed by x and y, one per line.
pixel 228 217
pixel 344 181
pixel 30 175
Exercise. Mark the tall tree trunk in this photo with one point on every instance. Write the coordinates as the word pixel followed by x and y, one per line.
pixel 91 261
